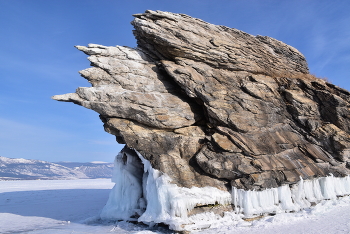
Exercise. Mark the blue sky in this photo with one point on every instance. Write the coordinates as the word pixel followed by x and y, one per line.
pixel 38 60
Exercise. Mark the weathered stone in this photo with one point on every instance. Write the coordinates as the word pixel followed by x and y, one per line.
pixel 214 106
pixel 168 152
pixel 224 143
pixel 169 36
pixel 126 84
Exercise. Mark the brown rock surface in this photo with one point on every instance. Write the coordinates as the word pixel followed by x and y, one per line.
pixel 214 106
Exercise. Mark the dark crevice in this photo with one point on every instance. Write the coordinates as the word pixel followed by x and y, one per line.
pixel 194 164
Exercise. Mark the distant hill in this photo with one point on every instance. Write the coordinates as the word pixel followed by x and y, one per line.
pixel 26 169
pixel 92 170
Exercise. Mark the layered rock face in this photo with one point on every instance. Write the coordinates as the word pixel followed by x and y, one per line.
pixel 213 106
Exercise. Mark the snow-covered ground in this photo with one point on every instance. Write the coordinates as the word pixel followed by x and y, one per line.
pixel 72 206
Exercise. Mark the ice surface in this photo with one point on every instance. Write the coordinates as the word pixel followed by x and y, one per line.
pixel 38 204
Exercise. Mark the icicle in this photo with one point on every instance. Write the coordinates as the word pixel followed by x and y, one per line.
pixel 299 196
pixel 285 198
pixel 288 199
pixel 346 184
pixel 327 187
pixel 317 189
pixel 124 198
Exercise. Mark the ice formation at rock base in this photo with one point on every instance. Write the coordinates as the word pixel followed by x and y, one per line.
pixel 144 194
pixel 148 196
pixel 286 198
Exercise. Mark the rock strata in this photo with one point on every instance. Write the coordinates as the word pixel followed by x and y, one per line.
pixel 214 106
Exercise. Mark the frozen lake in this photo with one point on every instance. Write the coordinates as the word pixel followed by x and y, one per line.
pixel 72 206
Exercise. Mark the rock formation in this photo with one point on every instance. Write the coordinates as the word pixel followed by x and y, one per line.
pixel 213 106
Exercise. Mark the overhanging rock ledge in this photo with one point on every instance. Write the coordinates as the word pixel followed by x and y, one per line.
pixel 209 113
